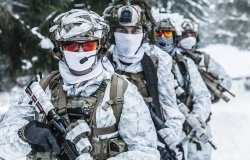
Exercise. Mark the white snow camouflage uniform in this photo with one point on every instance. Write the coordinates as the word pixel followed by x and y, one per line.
pixel 173 117
pixel 135 126
pixel 215 67
pixel 201 105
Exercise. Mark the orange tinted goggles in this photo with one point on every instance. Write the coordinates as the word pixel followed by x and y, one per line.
pixel 85 46
pixel 166 34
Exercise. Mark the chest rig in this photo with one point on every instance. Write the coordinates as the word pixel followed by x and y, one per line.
pixel 84 108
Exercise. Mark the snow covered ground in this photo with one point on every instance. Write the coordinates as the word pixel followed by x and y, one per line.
pixel 230 121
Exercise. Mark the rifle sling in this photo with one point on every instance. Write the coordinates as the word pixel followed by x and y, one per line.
pixel 150 73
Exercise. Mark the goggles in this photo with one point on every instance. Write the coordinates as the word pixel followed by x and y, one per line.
pixel 166 34
pixel 188 34
pixel 85 46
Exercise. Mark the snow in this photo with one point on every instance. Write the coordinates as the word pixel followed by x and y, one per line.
pixel 230 121
pixel 27 64
pixel 45 42
pixel 230 126
pixel 234 61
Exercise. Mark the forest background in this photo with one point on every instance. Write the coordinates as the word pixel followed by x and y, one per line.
pixel 26 50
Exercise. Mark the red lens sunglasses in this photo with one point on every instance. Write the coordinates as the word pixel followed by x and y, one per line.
pixel 75 46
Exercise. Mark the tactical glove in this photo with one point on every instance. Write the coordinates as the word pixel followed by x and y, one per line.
pixel 39 136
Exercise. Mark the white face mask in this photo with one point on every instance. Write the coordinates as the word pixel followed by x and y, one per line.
pixel 78 62
pixel 127 45
pixel 188 43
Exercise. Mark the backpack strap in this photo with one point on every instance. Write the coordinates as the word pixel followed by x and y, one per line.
pixel 45 81
pixel 206 60
pixel 117 90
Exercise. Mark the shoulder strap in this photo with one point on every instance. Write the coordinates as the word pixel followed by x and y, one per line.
pixel 44 82
pixel 150 73
pixel 182 65
pixel 117 90
pixel 206 60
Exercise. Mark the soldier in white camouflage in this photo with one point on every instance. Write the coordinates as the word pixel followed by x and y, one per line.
pixel 104 109
pixel 130 23
pixel 190 90
pixel 188 45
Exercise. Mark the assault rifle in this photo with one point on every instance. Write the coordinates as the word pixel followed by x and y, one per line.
pixel 210 79
pixel 195 57
pixel 214 85
pixel 57 123
pixel 198 127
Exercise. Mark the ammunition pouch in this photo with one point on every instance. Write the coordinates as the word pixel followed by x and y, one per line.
pixel 105 148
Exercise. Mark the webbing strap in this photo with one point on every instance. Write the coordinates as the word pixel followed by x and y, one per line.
pixel 102 131
pixel 99 95
pixel 206 60
pixel 119 92
pixel 62 104
pixel 118 87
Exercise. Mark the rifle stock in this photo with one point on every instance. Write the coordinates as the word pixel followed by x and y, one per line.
pixel 214 86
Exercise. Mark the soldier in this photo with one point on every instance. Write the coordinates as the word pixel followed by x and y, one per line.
pixel 108 118
pixel 190 90
pixel 145 65
pixel 188 44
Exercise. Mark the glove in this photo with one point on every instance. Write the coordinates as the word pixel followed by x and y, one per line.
pixel 77 134
pixel 200 129
pixel 170 138
pixel 202 135
pixel 39 136
pixel 166 155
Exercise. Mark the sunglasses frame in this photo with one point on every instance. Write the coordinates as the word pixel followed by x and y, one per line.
pixel 163 33
pixel 80 43
pixel 188 34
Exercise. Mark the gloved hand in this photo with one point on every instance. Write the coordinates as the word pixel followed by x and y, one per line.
pixel 203 135
pixel 169 136
pixel 165 155
pixel 78 134
pixel 39 136
pixel 200 128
